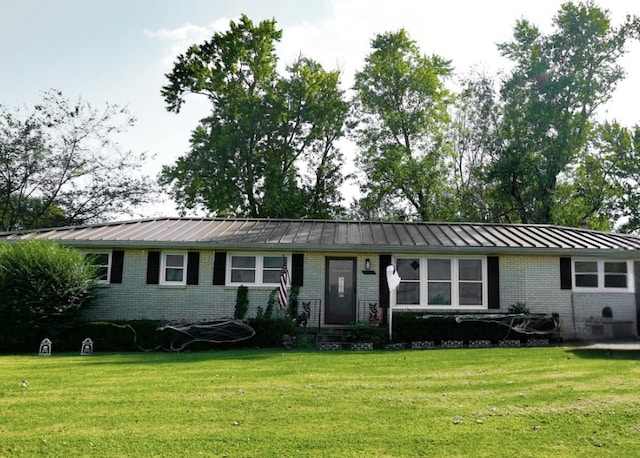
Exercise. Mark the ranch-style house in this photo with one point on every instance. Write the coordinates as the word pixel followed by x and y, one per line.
pixel 191 268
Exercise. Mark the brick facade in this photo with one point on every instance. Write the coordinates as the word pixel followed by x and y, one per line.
pixel 534 280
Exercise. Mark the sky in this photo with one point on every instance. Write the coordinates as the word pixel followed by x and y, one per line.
pixel 118 51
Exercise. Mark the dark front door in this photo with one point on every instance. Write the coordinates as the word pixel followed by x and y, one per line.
pixel 340 291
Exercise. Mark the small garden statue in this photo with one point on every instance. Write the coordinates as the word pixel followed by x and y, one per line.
pixel 302 320
pixel 287 342
pixel 374 315
pixel 45 347
pixel 87 347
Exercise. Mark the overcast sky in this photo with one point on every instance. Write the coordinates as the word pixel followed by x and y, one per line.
pixel 118 51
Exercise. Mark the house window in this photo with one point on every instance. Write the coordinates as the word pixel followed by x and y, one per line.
pixel 102 262
pixel 173 268
pixel 470 282
pixel 257 270
pixel 586 274
pixel 615 274
pixel 408 291
pixel 601 275
pixel 439 281
pixel 442 282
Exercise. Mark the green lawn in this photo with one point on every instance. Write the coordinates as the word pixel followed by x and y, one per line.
pixel 497 402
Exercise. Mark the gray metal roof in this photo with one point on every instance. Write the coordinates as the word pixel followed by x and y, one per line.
pixel 326 235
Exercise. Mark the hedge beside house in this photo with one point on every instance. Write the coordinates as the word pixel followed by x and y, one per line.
pixel 416 326
pixel 143 335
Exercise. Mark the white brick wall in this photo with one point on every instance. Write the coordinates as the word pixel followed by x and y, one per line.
pixel 534 280
pixel 134 299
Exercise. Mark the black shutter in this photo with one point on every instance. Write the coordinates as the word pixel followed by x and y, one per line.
pixel 153 268
pixel 297 269
pixel 193 267
pixel 219 267
pixel 383 288
pixel 117 261
pixel 565 273
pixel 493 281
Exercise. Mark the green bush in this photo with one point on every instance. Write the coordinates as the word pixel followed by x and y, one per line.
pixel 242 303
pixel 363 332
pixel 269 332
pixel 43 287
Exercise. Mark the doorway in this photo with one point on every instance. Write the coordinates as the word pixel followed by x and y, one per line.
pixel 340 291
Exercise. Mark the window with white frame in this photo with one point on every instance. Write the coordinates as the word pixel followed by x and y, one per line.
pixel 600 275
pixel 101 260
pixel 442 282
pixel 173 268
pixel 256 270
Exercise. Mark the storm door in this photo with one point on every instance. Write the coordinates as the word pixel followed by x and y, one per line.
pixel 340 291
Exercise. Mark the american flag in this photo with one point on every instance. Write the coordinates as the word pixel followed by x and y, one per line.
pixel 283 298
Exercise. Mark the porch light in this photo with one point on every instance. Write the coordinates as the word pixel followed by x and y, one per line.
pixel 367 267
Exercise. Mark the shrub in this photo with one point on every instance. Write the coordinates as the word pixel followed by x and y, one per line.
pixel 519 307
pixel 136 335
pixel 242 303
pixel 43 287
pixel 410 326
pixel 269 332
pixel 363 332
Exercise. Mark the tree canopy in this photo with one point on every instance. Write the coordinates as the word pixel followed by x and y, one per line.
pixel 60 164
pixel 401 108
pixel 548 106
pixel 269 146
pixel 525 146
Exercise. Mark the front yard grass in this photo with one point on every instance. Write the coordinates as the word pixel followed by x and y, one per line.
pixel 494 402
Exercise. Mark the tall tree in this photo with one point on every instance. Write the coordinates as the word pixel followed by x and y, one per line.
pixel 549 102
pixel 476 119
pixel 607 182
pixel 60 164
pixel 401 106
pixel 268 148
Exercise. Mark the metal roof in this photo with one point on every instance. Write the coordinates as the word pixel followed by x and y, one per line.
pixel 329 235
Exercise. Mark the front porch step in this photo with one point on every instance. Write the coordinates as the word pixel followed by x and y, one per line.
pixel 332 339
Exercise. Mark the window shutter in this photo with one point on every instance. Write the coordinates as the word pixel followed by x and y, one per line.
pixel 493 281
pixel 565 273
pixel 297 269
pixel 153 268
pixel 219 267
pixel 117 261
pixel 383 289
pixel 193 267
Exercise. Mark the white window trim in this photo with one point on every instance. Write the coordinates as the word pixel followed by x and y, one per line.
pixel 108 253
pixel 601 274
pixel 163 266
pixel 259 268
pixel 455 281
